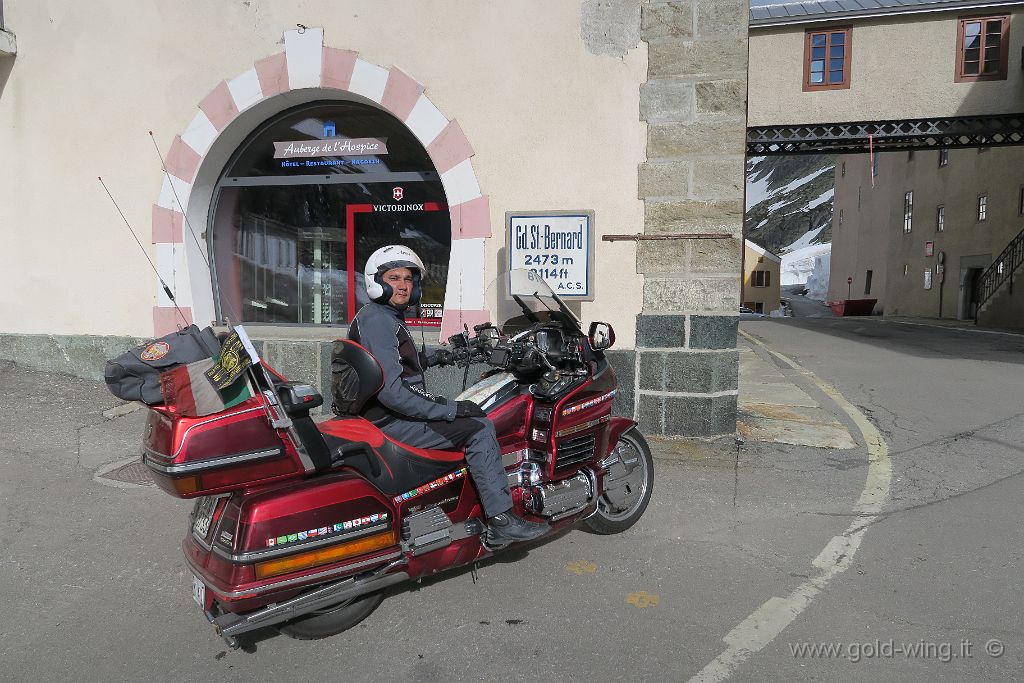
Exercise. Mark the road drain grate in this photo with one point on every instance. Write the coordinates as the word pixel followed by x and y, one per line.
pixel 131 473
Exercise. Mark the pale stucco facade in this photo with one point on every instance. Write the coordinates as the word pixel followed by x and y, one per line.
pixel 902 67
pixel 872 236
pixel 536 125
pixel 632 110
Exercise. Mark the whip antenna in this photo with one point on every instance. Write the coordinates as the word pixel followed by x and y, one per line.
pixel 229 313
pixel 174 191
pixel 167 290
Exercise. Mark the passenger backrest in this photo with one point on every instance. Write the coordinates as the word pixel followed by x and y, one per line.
pixel 356 377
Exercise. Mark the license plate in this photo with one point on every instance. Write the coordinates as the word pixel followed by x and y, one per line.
pixel 199 592
pixel 204 515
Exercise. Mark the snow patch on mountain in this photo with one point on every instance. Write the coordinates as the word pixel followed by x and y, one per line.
pixel 825 197
pixel 757 190
pixel 806 240
pixel 799 182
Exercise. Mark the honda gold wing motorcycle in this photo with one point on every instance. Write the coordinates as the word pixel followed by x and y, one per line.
pixel 300 525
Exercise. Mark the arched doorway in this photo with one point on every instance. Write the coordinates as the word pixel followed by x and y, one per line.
pixel 306 73
pixel 307 198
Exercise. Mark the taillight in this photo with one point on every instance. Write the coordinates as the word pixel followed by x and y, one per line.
pixel 314 558
pixel 186 485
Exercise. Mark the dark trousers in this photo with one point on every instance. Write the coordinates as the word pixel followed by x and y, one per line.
pixel 474 434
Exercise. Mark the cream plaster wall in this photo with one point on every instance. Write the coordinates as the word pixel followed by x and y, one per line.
pixel 873 237
pixel 902 68
pixel 553 127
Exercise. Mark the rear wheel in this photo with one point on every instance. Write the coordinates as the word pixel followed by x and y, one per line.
pixel 333 620
pixel 627 486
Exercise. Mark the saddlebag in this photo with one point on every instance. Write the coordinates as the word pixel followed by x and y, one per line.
pixel 135 375
pixel 265 543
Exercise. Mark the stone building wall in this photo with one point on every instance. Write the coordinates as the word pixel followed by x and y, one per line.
pixel 694 103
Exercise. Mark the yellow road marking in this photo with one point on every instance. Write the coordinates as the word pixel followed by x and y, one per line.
pixel 642 599
pixel 581 567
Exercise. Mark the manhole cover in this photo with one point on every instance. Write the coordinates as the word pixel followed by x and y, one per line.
pixel 133 473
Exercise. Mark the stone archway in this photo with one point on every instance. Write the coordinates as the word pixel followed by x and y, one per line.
pixel 307 66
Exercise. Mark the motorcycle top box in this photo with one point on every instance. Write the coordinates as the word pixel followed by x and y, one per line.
pixel 226 451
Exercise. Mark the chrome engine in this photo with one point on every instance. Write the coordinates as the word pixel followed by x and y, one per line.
pixel 560 499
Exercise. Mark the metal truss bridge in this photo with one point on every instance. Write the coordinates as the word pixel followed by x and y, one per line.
pixel 887 136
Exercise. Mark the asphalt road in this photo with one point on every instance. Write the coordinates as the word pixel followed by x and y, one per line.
pixel 95 587
pixel 944 562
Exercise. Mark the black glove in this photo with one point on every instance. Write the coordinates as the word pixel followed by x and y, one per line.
pixel 443 357
pixel 468 409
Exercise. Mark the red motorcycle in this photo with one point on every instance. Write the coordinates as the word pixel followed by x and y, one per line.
pixel 300 526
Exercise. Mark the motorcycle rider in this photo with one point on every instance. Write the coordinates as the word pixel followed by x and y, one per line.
pixel 404 411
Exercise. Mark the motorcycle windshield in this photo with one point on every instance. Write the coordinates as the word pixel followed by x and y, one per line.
pixel 522 299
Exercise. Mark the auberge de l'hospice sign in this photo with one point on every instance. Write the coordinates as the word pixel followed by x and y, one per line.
pixel 335 147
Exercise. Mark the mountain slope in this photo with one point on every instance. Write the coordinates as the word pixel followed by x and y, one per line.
pixel 787 197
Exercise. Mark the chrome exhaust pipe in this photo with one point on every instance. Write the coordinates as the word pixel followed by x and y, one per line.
pixel 230 625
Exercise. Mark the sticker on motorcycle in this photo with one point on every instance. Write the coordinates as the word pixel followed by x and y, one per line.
pixel 590 404
pixel 430 486
pixel 319 532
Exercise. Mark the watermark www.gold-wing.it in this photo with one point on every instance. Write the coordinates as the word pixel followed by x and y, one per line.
pixel 895 649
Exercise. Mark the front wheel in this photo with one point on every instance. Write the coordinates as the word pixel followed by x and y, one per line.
pixel 331 620
pixel 627 486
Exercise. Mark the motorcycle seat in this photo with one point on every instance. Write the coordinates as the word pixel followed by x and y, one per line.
pixel 392 466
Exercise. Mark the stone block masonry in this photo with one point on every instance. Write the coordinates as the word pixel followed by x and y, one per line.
pixel 694 103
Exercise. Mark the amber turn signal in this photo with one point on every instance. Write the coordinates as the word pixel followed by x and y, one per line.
pixel 186 485
pixel 315 558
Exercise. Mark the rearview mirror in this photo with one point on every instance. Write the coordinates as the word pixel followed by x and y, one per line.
pixel 601 335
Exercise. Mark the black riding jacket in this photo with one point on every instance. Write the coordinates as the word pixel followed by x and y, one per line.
pixel 381 330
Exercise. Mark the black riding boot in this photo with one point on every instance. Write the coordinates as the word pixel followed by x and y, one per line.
pixel 509 527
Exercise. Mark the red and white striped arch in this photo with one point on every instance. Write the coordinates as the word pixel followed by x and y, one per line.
pixel 307 63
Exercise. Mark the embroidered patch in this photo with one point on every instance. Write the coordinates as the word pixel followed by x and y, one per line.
pixel 155 351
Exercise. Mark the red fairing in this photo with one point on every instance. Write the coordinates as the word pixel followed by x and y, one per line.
pixel 579 431
pixel 619 426
pixel 511 420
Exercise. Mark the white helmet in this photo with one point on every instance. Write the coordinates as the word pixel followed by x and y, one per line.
pixel 383 260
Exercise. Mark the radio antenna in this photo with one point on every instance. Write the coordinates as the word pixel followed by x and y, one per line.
pixel 167 290
pixel 230 313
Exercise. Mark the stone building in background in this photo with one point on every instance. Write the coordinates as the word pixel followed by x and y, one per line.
pixel 926 91
pixel 630 112
pixel 919 238
pixel 762 278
